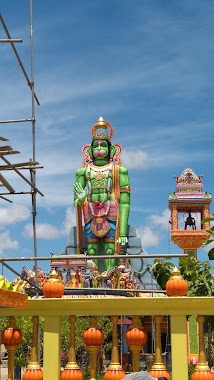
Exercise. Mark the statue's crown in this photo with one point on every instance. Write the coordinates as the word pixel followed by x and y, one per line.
pixel 102 130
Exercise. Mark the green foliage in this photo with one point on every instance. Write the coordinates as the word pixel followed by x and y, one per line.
pixel 210 237
pixel 212 351
pixel 24 323
pixel 161 270
pixel 191 369
pixel 3 323
pixel 198 275
pixel 86 373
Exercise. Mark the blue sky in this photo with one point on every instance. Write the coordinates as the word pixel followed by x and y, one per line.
pixel 146 67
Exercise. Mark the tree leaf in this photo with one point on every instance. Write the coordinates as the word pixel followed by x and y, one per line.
pixel 211 254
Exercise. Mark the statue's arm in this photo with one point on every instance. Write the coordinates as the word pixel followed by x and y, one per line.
pixel 124 183
pixel 80 187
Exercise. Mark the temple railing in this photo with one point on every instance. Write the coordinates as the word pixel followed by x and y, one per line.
pixel 177 308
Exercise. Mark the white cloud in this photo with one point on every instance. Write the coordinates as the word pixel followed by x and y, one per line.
pixel 149 238
pixel 48 231
pixel 13 214
pixel 135 159
pixel 161 220
pixel 70 219
pixel 6 242
pixel 43 231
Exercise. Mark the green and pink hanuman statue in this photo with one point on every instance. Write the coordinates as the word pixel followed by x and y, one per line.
pixel 102 194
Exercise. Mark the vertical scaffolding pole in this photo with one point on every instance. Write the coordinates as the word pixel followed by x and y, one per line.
pixel 33 172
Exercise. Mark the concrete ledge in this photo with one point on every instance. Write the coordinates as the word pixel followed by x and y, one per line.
pixel 119 306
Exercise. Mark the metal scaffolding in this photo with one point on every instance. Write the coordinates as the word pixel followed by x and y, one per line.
pixel 32 165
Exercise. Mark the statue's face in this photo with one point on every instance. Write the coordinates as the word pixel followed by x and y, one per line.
pixel 100 151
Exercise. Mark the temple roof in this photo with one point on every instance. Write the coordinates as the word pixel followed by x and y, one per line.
pixel 189 186
pixel 188 178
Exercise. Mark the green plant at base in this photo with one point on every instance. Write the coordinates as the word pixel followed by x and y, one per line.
pixel 210 237
pixel 198 275
pixel 161 270
pixel 191 369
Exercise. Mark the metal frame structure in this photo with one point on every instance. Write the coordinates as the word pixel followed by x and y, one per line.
pixel 32 165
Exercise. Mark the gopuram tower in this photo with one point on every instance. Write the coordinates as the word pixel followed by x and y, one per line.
pixel 189 206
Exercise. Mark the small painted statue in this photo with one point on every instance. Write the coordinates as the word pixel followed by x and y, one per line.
pixel 102 191
pixel 190 221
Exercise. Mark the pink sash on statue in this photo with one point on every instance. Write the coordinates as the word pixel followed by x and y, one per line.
pixel 99 221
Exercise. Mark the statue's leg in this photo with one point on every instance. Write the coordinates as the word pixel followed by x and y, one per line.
pixel 93 250
pixel 109 248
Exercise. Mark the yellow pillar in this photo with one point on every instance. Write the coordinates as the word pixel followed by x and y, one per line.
pixel 52 347
pixel 179 347
pixel 202 369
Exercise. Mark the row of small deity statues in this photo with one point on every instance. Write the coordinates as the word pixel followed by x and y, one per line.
pixel 119 277
pixel 112 279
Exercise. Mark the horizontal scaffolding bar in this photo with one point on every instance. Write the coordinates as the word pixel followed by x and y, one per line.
pixel 17 193
pixel 7 152
pixel 26 168
pixel 84 257
pixel 3 139
pixel 25 179
pixel 11 40
pixel 20 165
pixel 16 121
pixel 5 148
pixel 5 199
pixel 19 60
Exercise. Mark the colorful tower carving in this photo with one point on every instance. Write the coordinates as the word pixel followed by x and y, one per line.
pixel 189 206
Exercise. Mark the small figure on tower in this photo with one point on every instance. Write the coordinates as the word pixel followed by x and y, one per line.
pixel 190 221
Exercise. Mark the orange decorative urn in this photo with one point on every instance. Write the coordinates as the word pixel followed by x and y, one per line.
pixel 136 337
pixel 93 338
pixel 176 285
pixel 11 337
pixel 53 287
